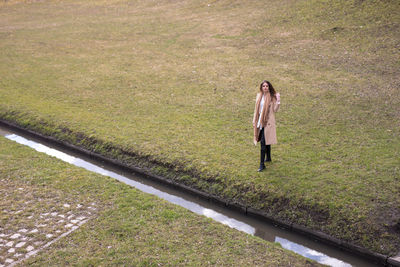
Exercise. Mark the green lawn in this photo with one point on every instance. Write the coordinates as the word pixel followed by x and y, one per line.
pixel 170 86
pixel 127 227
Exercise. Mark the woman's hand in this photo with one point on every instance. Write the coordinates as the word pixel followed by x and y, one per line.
pixel 278 97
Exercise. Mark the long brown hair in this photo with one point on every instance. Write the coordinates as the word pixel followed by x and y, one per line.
pixel 270 88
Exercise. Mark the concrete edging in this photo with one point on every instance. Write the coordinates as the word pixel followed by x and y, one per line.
pixel 325 238
pixel 394 261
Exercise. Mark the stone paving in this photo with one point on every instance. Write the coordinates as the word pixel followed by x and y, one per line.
pixel 15 246
pixel 32 220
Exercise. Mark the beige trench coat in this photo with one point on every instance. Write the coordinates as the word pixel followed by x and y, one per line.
pixel 270 128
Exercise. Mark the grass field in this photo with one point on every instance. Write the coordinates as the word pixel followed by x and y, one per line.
pixel 124 226
pixel 170 86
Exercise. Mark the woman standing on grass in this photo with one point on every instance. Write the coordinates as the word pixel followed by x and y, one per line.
pixel 267 103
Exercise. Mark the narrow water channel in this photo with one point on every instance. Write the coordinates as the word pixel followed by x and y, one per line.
pixel 302 245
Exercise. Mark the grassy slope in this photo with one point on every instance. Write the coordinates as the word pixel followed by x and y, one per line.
pixel 175 82
pixel 131 228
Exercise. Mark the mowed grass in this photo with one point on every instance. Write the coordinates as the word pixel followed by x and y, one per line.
pixel 129 227
pixel 170 86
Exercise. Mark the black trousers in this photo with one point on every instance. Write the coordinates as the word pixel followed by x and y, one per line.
pixel 265 149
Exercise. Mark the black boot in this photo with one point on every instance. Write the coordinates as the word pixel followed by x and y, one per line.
pixel 262 166
pixel 268 159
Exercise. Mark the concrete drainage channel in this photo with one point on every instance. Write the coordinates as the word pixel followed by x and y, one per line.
pixel 313 245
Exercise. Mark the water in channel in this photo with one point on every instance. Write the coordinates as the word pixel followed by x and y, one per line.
pixel 302 245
